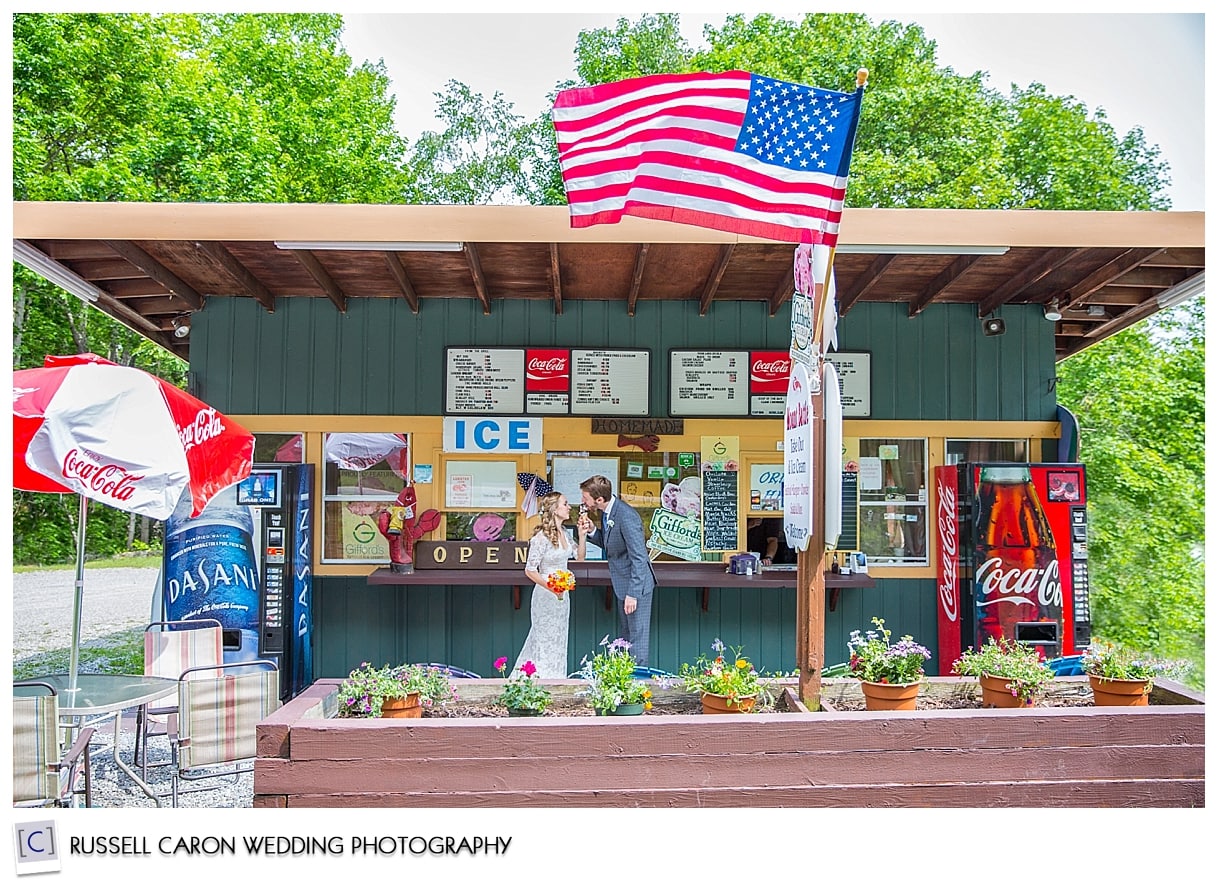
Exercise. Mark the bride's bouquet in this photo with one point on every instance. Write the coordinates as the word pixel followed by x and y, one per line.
pixel 560 582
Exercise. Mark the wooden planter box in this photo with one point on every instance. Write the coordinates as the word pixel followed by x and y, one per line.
pixel 1069 756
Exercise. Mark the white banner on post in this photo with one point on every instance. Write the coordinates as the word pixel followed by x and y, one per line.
pixel 797 460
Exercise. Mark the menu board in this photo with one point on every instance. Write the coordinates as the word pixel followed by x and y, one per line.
pixel 610 382
pixel 848 540
pixel 720 511
pixel 708 383
pixel 854 378
pixel 484 381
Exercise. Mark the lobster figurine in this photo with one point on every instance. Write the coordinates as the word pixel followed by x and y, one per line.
pixel 402 528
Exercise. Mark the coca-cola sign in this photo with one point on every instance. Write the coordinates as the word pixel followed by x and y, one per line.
pixel 207 425
pixel 947 531
pixel 104 479
pixel 769 372
pixel 949 552
pixel 1015 585
pixel 547 370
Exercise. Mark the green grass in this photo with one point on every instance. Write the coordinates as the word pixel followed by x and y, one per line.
pixel 109 563
pixel 119 653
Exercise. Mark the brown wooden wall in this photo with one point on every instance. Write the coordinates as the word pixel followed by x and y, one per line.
pixel 1073 756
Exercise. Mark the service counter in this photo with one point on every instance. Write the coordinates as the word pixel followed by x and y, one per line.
pixel 596 573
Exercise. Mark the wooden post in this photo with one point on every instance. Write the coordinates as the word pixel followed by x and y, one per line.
pixel 810 577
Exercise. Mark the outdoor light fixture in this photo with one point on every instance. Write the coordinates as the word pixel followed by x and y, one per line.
pixel 993 327
pixel 33 259
pixel 1053 312
pixel 1095 310
pixel 1181 292
pixel 368 246
pixel 181 326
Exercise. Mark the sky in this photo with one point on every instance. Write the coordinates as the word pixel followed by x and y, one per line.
pixel 1142 70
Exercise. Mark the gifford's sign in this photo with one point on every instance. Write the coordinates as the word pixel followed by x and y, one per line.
pixel 470 555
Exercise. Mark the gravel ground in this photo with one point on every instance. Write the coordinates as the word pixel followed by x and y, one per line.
pixel 116 601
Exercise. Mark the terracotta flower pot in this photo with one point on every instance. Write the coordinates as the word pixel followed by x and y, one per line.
pixel 890 696
pixel 622 710
pixel 996 692
pixel 399 708
pixel 717 704
pixel 1119 693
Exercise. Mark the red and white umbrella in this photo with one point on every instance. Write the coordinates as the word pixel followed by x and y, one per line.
pixel 121 436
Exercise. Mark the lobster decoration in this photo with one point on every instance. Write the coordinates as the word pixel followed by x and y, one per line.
pixel 402 528
pixel 648 443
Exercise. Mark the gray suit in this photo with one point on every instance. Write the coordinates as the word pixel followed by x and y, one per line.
pixel 621 535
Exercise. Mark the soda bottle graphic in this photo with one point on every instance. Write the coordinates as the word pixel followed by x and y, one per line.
pixel 1017 575
pixel 211 571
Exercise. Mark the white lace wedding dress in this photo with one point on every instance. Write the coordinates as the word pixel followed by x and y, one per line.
pixel 546 645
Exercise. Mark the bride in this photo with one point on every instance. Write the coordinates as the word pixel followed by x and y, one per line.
pixel 550 549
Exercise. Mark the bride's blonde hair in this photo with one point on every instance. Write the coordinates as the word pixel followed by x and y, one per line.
pixel 549 519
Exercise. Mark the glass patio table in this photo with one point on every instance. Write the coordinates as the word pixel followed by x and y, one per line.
pixel 102 696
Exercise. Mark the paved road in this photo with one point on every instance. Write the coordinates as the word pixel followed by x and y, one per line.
pixel 114 600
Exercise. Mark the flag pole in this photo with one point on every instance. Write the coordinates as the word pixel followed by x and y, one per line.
pixel 810 576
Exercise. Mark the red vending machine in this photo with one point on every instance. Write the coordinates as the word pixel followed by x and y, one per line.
pixel 1012 560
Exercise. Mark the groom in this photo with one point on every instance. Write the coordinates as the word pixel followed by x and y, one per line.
pixel 621 535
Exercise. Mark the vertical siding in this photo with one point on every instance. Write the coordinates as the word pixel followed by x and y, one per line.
pixel 380 358
pixel 470 626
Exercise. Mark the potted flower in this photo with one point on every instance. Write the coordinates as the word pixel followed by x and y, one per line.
pixel 612 688
pixel 1122 677
pixel 401 691
pixel 890 674
pixel 1011 674
pixel 523 695
pixel 726 687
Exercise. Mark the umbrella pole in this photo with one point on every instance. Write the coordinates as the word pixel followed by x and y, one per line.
pixel 74 656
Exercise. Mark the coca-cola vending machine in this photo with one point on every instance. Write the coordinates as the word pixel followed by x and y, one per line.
pixel 1012 562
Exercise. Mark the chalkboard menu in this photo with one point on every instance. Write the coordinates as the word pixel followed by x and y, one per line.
pixel 849 539
pixel 720 511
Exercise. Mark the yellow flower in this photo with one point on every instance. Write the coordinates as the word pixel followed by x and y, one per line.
pixel 646 705
pixel 741 663
pixel 646 693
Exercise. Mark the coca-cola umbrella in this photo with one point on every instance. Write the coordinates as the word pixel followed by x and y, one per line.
pixel 119 435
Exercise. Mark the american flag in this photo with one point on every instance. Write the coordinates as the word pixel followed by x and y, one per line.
pixel 534 487
pixel 731 151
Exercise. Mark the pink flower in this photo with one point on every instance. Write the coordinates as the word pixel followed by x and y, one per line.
pixel 501 663
pixel 529 668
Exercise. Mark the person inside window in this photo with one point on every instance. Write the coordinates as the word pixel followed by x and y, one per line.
pixel 765 537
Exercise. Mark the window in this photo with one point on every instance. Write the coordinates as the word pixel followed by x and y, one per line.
pixel 979 450
pixel 892 500
pixel 363 474
pixel 278 447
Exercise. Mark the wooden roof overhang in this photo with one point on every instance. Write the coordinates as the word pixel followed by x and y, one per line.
pixel 147 264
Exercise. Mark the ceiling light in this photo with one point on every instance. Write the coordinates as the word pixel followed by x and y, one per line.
pixel 1181 292
pixel 921 249
pixel 993 327
pixel 1095 310
pixel 369 246
pixel 1052 311
pixel 53 271
pixel 181 326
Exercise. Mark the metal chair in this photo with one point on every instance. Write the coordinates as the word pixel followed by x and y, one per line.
pixel 170 647
pixel 42 776
pixel 219 709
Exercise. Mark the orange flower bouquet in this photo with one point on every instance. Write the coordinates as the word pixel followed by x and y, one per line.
pixel 560 582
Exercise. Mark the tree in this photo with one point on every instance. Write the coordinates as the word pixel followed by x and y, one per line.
pixel 1140 401
pixel 241 108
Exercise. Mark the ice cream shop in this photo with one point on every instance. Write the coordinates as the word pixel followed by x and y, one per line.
pixel 416 376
